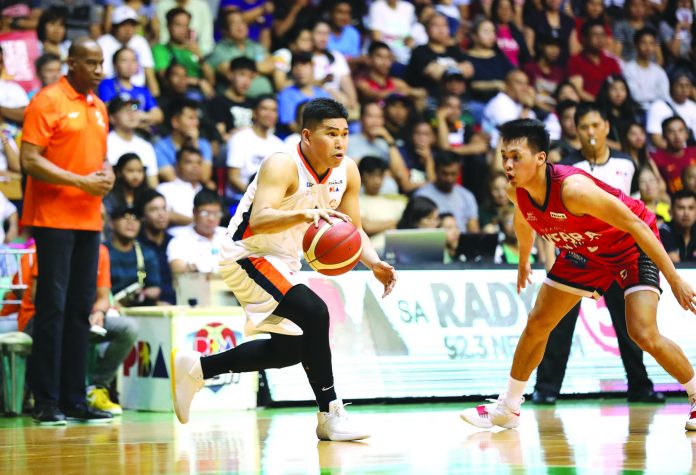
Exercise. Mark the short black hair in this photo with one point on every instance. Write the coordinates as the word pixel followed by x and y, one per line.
pixel 242 63
pixel 531 129
pixel 589 24
pixel 317 110
pixel 682 194
pixel 175 12
pixel 49 16
pixel 645 31
pixel 445 159
pixel 303 57
pixel 669 120
pixel 370 163
pixel 564 105
pixel 120 51
pixel 585 108
pixel 187 149
pixel 375 45
pixel 263 97
pixel 148 196
pixel 44 59
pixel 176 108
pixel 206 197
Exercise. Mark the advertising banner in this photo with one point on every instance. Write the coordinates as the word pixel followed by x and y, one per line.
pixel 20 51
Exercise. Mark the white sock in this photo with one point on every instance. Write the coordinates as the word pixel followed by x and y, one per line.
pixel 513 395
pixel 690 387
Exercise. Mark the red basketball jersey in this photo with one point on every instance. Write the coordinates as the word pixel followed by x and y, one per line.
pixel 585 235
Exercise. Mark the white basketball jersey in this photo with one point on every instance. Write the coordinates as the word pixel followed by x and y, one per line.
pixel 311 193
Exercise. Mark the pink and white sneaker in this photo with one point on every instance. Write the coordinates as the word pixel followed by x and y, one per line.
pixel 691 422
pixel 499 414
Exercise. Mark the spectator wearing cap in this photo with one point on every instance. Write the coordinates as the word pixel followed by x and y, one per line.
pixel 376 83
pixel 125 64
pixel 124 119
pixel 544 73
pixel 232 109
pixel 647 81
pixel 197 247
pixel 302 70
pixel 135 277
pixel 515 101
pixel 428 62
pixel 153 234
pixel 236 43
pixel 677 155
pixel 179 192
pixel 124 21
pixel 588 69
pixel 201 24
pixel 182 48
pixel 678 103
pixel 148 23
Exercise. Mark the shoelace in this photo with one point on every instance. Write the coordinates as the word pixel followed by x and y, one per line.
pixel 341 411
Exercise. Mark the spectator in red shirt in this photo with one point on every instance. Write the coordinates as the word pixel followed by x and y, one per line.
pixel 544 73
pixel 588 69
pixel 677 156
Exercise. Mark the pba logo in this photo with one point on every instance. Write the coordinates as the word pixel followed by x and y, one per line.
pixel 215 338
pixel 145 363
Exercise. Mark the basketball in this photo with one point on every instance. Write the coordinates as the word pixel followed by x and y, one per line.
pixel 332 248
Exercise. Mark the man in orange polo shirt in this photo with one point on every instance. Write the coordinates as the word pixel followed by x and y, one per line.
pixel 64 155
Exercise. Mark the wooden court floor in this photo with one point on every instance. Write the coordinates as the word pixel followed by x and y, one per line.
pixel 585 437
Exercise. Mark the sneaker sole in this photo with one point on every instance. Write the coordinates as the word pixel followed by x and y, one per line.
pixel 172 357
pixel 345 438
pixel 90 421
pixel 690 425
pixel 475 424
pixel 50 423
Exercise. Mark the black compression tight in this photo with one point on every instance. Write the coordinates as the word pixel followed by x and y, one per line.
pixel 309 312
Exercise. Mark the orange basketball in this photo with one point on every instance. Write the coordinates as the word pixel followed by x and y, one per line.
pixel 332 248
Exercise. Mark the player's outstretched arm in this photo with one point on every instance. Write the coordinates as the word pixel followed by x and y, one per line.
pixel 350 205
pixel 525 240
pixel 582 196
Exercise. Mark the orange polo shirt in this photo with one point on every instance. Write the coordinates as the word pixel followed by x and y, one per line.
pixel 72 127
pixel 30 270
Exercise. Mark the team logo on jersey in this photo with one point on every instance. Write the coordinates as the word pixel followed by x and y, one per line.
pixel 592 249
pixel 531 217
pixel 334 189
pixel 623 274
pixel 333 204
pixel 558 215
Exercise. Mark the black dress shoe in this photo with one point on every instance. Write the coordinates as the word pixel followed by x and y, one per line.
pixel 84 413
pixel 647 396
pixel 539 397
pixel 48 416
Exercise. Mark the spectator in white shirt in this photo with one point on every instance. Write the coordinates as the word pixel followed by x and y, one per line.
pixel 197 247
pixel 514 102
pixel 125 117
pixel 249 146
pixel 180 192
pixel 8 214
pixel 13 99
pixel 679 103
pixel 390 21
pixel 647 81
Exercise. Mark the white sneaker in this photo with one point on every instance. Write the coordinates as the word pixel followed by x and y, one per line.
pixel 486 416
pixel 335 425
pixel 691 423
pixel 187 380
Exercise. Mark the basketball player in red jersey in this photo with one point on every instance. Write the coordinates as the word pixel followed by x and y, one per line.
pixel 260 260
pixel 604 236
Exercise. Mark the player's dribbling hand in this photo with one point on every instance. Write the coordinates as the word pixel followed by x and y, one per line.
pixel 314 215
pixel 684 294
pixel 386 274
pixel 524 271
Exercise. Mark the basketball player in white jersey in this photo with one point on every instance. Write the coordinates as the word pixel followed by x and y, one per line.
pixel 260 260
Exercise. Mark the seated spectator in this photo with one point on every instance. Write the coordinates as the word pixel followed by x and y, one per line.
pixel 197 247
pixel 81 16
pixel 53 35
pixel 201 21
pixel 589 68
pixel 376 141
pixel 135 276
pixel 591 11
pixel 13 100
pixel 124 117
pixel 452 232
pixel 179 193
pixel 508 250
pixel 153 234
pixel 121 332
pixel 124 21
pixel 544 73
pixel 679 103
pixel 677 155
pixel 636 18
pixel 648 186
pixel 236 43
pixel 689 178
pixel 550 21
pixel 182 48
pixel 677 28
pixel 48 70
pixel 568 141
pixel 399 114
pixel 419 153
pixel 184 124
pixel 515 101
pixel 614 98
pixel 378 212
pixel 344 37
pixel 299 40
pixel 451 197
pixel 506 15
pixel 302 71
pixel 175 89
pixel 646 79
pixel 249 146
pixel 8 220
pixel 125 65
pixel 331 69
pixel 420 213
pixel 232 109
pixel 148 23
pixel 376 83
pixel 679 235
pixel 258 15
pixel 494 203
pixel 634 142
pixel 9 151
pixel 129 185
pixel 391 21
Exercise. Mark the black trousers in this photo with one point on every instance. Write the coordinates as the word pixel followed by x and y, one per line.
pixel 65 291
pixel 551 371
